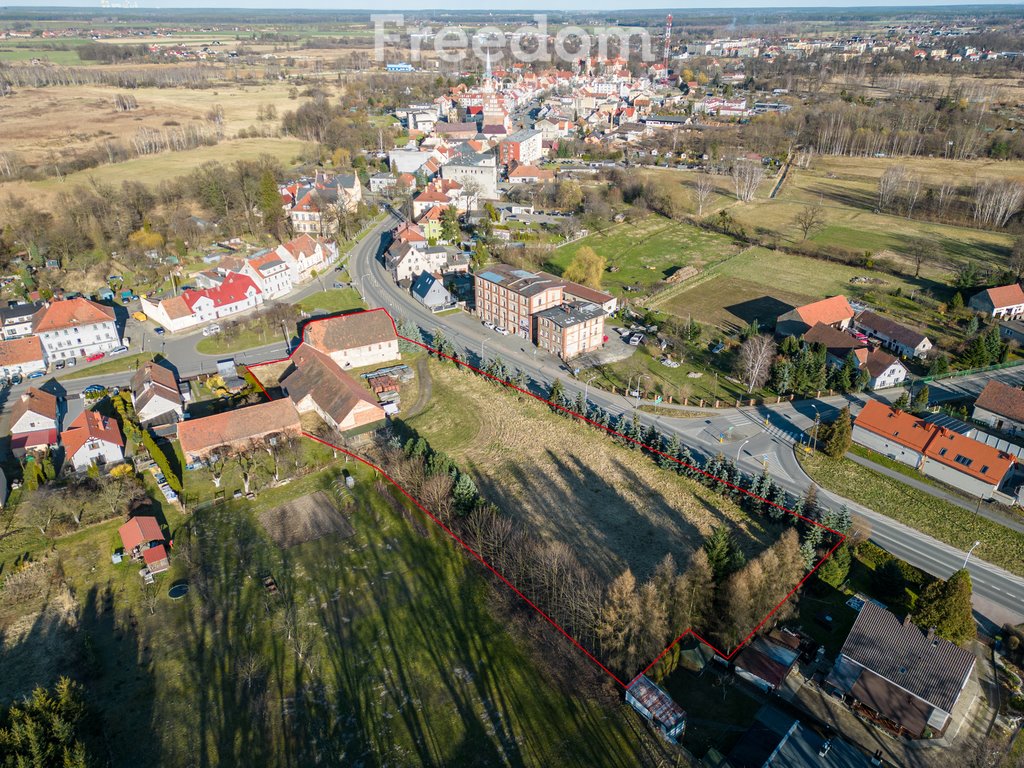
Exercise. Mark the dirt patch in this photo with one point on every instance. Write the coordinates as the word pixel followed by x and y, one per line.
pixel 305 519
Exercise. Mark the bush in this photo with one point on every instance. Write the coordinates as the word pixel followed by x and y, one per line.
pixel 161 460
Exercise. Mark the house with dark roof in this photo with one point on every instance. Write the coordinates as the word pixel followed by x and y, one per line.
pixel 895 337
pixel 224 434
pixel 904 677
pixel 35 422
pixel 776 740
pixel 943 454
pixel 92 439
pixel 834 311
pixel 1004 301
pixel 355 340
pixel 316 383
pixel 657 707
pixel 16 319
pixel 156 396
pixel 431 293
pixel 1000 407
pixel 882 369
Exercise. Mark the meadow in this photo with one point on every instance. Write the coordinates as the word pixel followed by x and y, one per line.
pixel 610 505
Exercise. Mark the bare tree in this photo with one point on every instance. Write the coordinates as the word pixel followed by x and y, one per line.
pixel 809 219
pixel 703 188
pixel 996 201
pixel 756 356
pixel 919 250
pixel 911 191
pixel 1017 256
pixel 746 178
pixel 889 185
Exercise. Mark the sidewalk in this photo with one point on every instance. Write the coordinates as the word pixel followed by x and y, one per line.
pixel 989 511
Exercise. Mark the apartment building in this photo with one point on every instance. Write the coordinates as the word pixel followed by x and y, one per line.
pixel 75 328
pixel 524 147
pixel 510 297
pixel 571 329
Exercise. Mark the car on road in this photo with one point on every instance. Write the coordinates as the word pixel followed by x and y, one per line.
pixel 93 389
pixel 502 330
pixel 59 365
pixel 211 330
pixel 15 379
pixel 36 375
pixel 94 358
pixel 488 324
pixel 118 350
pixel 158 331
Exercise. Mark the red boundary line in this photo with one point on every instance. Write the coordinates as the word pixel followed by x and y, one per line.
pixel 499 575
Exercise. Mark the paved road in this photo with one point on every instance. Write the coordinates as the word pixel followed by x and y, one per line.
pixel 738 433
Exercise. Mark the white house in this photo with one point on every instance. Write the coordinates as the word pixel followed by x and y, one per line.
pixel 356 340
pixel 407 263
pixel 1006 301
pixel 270 272
pixel 156 396
pixel 92 439
pixel 238 293
pixel 35 421
pixel 431 293
pixel 307 257
pixel 75 328
pixel 21 356
pixel 478 173
pixel 16 319
pixel 898 338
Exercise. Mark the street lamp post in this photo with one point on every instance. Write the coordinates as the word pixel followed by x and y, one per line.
pixel 969 551
pixel 639 379
pixel 740 450
pixel 817 419
pixel 483 343
pixel 586 387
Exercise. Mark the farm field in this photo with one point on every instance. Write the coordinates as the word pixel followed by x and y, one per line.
pixel 155 168
pixel 612 506
pixel 847 190
pixel 647 252
pixel 377 646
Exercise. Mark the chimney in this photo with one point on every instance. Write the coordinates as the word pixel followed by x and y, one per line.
pixel 907 622
pixel 931 634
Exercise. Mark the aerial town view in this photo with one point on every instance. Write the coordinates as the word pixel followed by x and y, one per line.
pixel 508 385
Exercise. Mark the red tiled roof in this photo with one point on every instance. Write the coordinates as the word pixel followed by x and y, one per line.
pixel 1006 295
pixel 70 313
pixel 140 530
pixel 154 554
pixel 897 426
pixel 301 246
pixel 964 454
pixel 1002 399
pixel 233 290
pixel 90 425
pixel 36 401
pixel 827 311
pixel 198 436
pixel 21 351
pixel 39 438
pixel 359 329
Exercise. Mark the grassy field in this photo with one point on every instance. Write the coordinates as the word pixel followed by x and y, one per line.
pixel 847 189
pixel 153 169
pixel 381 648
pixel 945 521
pixel 116 365
pixel 333 300
pixel 254 331
pixel 613 507
pixel 761 284
pixel 647 252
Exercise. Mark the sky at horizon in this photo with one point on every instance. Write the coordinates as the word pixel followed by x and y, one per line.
pixel 508 5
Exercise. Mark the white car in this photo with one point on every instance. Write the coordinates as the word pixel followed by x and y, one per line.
pixel 117 351
pixel 502 331
pixel 210 330
pixel 488 324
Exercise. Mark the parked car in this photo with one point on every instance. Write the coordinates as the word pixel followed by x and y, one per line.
pixel 36 375
pixel 118 350
pixel 140 316
pixel 15 379
pixel 72 362
pixel 488 324
pixel 94 358
pixel 211 330
pixel 636 339
pixel 339 285
pixel 158 331
pixel 59 365
pixel 93 389
pixel 502 330
pixel 718 348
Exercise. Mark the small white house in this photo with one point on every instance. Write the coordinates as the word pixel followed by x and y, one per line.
pixel 1004 301
pixel 92 439
pixel 21 356
pixel 156 395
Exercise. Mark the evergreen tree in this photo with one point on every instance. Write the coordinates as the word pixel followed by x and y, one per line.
pixel 835 570
pixel 920 402
pixel 782 375
pixel 46 728
pixel 464 492
pixel 972 325
pixel 671 449
pixel 946 607
pixel 555 393
pixel 957 302
pixel 848 373
pixel 888 581
pixel 790 346
pixel 902 402
pixel 839 436
pixel 809 554
pixel 777 510
pixel 651 436
pixel 724 555
pixel 686 464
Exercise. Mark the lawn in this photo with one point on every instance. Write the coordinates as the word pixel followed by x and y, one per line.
pixel 945 521
pixel 647 252
pixel 115 365
pixel 612 506
pixel 332 301
pixel 254 331
pixel 381 648
pixel 847 189
pixel 761 284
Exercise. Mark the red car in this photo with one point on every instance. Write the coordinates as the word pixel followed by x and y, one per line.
pixel 94 358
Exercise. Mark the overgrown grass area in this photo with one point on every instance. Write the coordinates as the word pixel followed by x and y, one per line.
pixel 610 505
pixel 647 252
pixel 381 648
pixel 236 335
pixel 847 189
pixel 945 521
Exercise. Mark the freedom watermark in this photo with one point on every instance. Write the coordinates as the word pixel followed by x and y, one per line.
pixel 526 44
